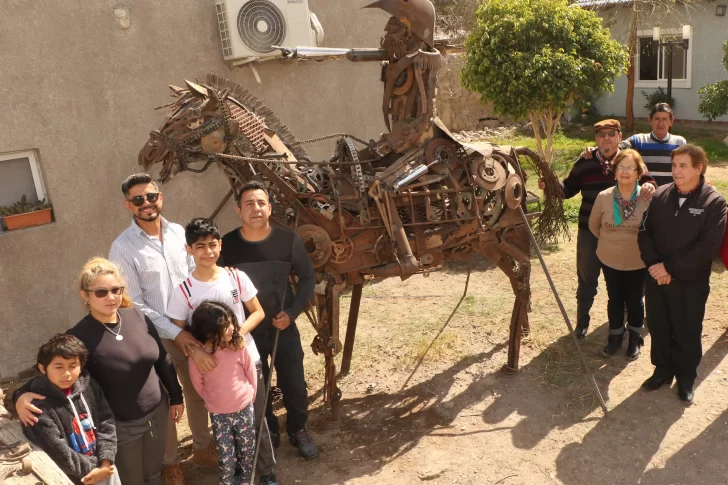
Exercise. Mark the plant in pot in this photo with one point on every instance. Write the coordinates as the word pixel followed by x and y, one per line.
pixel 23 214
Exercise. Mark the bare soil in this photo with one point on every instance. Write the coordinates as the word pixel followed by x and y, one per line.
pixel 420 409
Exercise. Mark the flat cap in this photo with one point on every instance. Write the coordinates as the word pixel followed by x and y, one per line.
pixel 608 125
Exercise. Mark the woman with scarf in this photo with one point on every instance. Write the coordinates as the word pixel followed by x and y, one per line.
pixel 615 221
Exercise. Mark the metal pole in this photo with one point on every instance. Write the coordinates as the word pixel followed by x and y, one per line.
pixel 669 72
pixel 563 312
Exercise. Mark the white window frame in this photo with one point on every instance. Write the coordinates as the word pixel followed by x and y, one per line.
pixel 34 169
pixel 662 83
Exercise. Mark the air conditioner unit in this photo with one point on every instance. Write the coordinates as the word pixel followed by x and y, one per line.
pixel 250 28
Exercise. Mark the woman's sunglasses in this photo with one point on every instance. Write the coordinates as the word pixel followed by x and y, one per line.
pixel 138 200
pixel 103 292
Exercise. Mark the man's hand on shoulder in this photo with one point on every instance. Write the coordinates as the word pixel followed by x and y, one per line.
pixel 587 153
pixel 185 342
pixel 646 191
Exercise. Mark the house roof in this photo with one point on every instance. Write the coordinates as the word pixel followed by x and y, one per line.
pixel 602 3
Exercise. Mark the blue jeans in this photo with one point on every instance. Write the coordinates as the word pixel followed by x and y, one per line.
pixel 588 268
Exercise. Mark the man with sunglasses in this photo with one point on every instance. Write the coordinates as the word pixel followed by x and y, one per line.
pixel 152 257
pixel 589 176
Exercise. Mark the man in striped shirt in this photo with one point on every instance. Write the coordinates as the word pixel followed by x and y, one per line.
pixel 589 176
pixel 152 257
pixel 655 147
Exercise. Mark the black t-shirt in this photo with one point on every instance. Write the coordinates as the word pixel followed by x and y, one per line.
pixel 127 370
pixel 268 264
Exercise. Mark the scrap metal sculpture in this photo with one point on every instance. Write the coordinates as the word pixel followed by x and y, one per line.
pixel 398 206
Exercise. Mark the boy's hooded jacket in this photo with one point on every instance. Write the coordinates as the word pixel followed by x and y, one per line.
pixel 76 431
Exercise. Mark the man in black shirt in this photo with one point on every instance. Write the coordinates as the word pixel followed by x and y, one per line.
pixel 267 254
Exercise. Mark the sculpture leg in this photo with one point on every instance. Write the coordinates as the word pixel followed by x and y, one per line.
pixel 351 329
pixel 327 341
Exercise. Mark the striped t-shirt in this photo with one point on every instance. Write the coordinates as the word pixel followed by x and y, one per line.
pixel 655 153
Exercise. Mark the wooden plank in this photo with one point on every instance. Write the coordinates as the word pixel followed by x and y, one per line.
pixel 11 431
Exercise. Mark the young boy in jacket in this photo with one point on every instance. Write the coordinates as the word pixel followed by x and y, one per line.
pixel 76 427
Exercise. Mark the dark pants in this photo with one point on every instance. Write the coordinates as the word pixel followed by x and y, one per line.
pixel 291 381
pixel 140 447
pixel 266 456
pixel 588 267
pixel 624 289
pixel 675 318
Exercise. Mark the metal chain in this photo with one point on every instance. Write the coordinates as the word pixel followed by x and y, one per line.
pixel 328 137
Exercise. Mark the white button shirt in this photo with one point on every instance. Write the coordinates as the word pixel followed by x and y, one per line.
pixel 152 269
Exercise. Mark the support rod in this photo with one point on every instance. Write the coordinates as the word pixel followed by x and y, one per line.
pixel 351 329
pixel 563 312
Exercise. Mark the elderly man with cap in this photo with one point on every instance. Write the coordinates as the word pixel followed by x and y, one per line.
pixel 591 176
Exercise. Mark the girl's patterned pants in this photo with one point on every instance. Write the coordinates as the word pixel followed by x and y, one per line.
pixel 235 438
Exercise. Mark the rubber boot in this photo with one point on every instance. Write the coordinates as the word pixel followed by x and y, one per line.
pixel 613 344
pixel 633 347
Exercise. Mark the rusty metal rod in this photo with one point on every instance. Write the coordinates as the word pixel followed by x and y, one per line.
pixel 221 204
pixel 563 312
pixel 351 329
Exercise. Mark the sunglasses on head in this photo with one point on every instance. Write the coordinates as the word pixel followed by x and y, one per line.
pixel 138 200
pixel 103 292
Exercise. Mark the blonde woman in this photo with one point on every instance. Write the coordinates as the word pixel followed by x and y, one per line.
pixel 615 221
pixel 126 357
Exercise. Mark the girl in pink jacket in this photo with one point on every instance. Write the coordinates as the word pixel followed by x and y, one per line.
pixel 228 390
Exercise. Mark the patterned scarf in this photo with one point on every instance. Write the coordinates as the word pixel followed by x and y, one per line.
pixel 604 162
pixel 624 209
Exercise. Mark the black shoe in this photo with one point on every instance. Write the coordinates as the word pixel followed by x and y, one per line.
pixel 686 393
pixel 580 331
pixel 613 344
pixel 633 347
pixel 268 479
pixel 275 439
pixel 655 382
pixel 306 447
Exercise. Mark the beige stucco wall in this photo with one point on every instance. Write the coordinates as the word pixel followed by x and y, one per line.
pixel 81 91
pixel 459 108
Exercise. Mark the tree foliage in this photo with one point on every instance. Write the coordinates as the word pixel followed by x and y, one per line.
pixel 714 97
pixel 534 58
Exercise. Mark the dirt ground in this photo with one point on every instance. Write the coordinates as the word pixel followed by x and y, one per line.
pixel 418 410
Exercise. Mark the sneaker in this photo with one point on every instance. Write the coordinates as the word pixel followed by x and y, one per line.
pixel 173 475
pixel 306 447
pixel 207 457
pixel 613 345
pixel 269 479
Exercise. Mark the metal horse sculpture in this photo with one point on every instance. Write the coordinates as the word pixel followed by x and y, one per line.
pixel 398 206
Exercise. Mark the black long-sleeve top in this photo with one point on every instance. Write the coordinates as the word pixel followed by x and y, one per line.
pixel 268 264
pixel 684 237
pixel 129 370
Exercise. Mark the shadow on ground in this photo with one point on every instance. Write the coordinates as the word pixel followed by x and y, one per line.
pixel 639 424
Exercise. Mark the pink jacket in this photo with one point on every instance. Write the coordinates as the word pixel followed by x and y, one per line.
pixel 229 387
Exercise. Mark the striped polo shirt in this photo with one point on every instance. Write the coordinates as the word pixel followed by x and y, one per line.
pixel 655 153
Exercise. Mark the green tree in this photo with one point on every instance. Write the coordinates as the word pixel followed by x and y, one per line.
pixel 534 58
pixel 714 97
